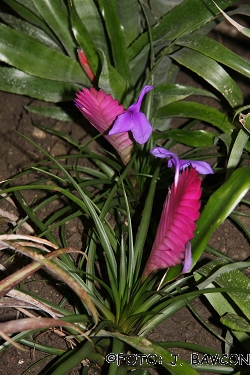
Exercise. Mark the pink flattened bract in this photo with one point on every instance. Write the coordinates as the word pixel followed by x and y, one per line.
pixel 101 110
pixel 177 224
pixel 85 65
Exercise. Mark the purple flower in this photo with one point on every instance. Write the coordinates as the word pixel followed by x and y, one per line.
pixel 133 120
pixel 201 166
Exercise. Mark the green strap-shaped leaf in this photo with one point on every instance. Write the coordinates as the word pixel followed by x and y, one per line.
pixel 236 151
pixel 184 18
pixel 84 40
pixel 111 81
pixel 212 72
pixel 194 138
pixel 197 111
pixel 91 18
pixel 27 11
pixel 219 206
pixel 51 112
pixel 235 322
pixel 129 14
pixel 31 30
pixel 163 92
pixel 117 38
pixel 56 15
pixel 216 51
pixel 18 82
pixel 27 54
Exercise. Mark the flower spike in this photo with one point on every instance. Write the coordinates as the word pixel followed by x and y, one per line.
pixel 101 110
pixel 177 224
pixel 135 121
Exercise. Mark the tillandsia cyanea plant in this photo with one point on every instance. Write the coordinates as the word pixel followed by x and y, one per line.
pixel 119 51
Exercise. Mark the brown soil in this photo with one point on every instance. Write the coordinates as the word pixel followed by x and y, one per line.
pixel 17 153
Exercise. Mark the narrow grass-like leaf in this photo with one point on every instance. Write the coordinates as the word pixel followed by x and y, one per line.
pixel 12 280
pixel 92 212
pixel 130 253
pixel 145 221
pixel 67 278
pixel 69 360
pixel 123 268
pixel 25 324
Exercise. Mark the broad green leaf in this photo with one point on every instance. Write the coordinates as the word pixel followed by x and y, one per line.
pixel 163 94
pixel 146 346
pixel 166 71
pixel 221 203
pixel 117 38
pixel 27 54
pixel 236 279
pixel 228 276
pixel 216 51
pixel 235 322
pixel 18 82
pixel 31 30
pixel 194 138
pixel 110 80
pixel 84 40
pixel 56 15
pixel 197 111
pixel 220 302
pixel 180 21
pixel 161 7
pixel 139 65
pixel 51 112
pixel 129 15
pixel 211 72
pixel 90 17
pixel 27 11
